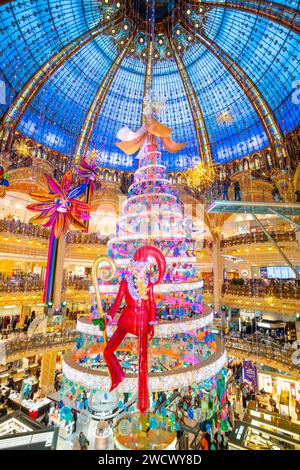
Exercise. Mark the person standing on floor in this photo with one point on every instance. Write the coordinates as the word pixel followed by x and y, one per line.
pixel 297 409
pixel 237 191
pixel 231 414
pixel 45 419
pixel 244 397
pixel 83 442
pixel 218 438
pixel 205 441
pixel 75 420
pixel 226 185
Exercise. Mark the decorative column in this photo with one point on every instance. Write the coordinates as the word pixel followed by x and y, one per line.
pixel 218 273
pixel 59 272
pixel 48 372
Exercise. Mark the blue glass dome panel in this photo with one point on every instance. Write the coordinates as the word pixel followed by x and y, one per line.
pixel 73 86
pixel 33 31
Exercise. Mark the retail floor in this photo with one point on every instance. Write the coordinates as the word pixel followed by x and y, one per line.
pixel 88 427
pixel 241 411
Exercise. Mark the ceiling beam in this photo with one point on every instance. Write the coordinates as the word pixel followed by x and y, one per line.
pixel 199 124
pixel 258 102
pixel 148 75
pixel 96 106
pixel 273 11
pixel 40 77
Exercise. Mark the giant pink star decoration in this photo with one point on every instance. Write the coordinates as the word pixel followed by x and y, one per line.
pixel 59 208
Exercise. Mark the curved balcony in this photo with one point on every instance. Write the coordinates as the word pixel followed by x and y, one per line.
pixel 22 228
pixel 18 345
pixel 259 237
pixel 24 283
pixel 17 227
pixel 289 289
pixel 241 187
pixel 274 356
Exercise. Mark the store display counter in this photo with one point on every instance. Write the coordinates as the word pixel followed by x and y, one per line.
pixel 248 436
pixel 273 422
pixel 32 408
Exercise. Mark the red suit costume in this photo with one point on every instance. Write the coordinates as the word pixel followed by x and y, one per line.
pixel 138 318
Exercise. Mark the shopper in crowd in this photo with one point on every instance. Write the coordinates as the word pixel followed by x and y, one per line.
pixel 234 404
pixel 52 409
pixel 11 383
pixel 231 415
pixel 83 442
pixel 219 440
pixel 32 315
pixel 205 441
pixel 237 191
pixel 3 410
pixel 74 420
pixel 45 419
pixel 252 394
pixel 84 399
pixel 225 441
pixel 38 373
pixel 26 323
pixel 213 446
pixel 244 397
pixel 226 185
pixel 179 428
pixel 297 409
pixel 6 395
pixel 273 403
pixel 275 194
pixel 56 383
pixel 14 322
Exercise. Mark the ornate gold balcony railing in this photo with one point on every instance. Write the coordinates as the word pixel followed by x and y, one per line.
pixel 278 289
pixel 259 237
pixel 15 345
pixel 274 356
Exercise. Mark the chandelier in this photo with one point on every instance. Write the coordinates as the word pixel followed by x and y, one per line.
pixel 23 148
pixel 201 176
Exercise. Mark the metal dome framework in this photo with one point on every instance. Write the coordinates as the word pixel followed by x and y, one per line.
pixel 75 74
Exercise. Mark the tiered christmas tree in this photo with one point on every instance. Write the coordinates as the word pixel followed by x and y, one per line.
pixel 185 357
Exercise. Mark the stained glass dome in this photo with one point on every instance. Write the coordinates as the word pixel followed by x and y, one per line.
pixel 75 69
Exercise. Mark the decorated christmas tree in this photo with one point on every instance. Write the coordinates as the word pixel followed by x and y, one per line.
pixel 186 360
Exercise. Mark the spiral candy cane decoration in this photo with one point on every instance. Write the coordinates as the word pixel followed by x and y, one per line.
pixel 102 273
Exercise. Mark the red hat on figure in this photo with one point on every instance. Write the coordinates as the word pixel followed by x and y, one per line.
pixel 142 254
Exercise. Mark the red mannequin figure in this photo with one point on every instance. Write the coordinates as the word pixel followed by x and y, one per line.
pixel 138 318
